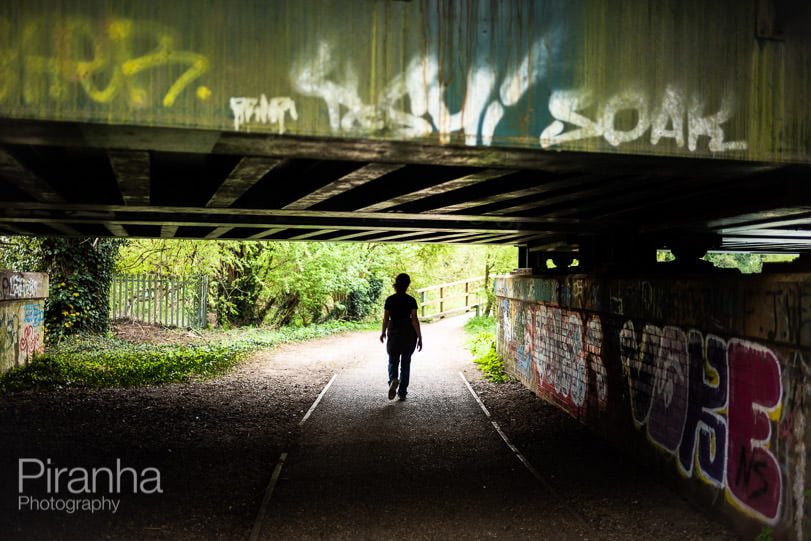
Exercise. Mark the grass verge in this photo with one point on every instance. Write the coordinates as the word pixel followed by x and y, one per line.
pixel 482 344
pixel 99 361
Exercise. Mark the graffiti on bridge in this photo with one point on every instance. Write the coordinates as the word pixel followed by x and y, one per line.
pixel 488 94
pixel 47 58
pixel 709 403
pixel 665 121
pixel 262 110
pixel 143 63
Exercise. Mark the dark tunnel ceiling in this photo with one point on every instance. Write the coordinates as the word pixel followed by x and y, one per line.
pixel 71 179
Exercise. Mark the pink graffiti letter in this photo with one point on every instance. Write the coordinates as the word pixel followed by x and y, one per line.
pixel 755 388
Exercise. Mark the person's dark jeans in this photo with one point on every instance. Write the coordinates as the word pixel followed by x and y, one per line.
pixel 403 361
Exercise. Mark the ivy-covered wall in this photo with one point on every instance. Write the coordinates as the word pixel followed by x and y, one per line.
pixel 703 378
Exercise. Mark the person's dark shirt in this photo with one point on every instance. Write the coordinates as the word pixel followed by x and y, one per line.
pixel 400 306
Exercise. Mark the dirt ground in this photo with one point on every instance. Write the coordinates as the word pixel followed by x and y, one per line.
pixel 215 443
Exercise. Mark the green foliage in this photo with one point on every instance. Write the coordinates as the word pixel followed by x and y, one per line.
pixel 169 257
pixel 764 535
pixel 481 324
pixel 239 284
pixel 85 360
pixel 284 283
pixel 80 273
pixel 360 302
pixel 20 254
pixel 746 263
pixel 121 366
pixel 483 348
pixel 806 494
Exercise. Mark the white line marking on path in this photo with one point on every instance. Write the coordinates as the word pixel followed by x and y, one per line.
pixel 317 400
pixel 504 437
pixel 277 471
pixel 521 457
pixel 263 509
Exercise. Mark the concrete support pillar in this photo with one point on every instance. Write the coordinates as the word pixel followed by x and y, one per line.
pixel 22 310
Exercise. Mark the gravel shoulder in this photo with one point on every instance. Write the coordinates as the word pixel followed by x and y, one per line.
pixel 216 443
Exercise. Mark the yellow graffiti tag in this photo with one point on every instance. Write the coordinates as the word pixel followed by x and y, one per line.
pixel 50 60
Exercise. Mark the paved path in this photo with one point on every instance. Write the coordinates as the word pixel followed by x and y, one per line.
pixel 430 467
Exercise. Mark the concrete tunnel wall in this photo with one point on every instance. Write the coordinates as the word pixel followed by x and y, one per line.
pixel 702 378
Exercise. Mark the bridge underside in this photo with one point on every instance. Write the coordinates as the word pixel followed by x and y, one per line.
pixel 176 183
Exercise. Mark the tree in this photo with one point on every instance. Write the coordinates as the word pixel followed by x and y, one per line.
pixel 239 284
pixel 282 283
pixel 80 272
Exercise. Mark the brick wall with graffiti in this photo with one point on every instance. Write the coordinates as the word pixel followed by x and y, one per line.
pixel 22 310
pixel 704 378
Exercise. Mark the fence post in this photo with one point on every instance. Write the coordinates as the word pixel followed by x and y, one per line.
pixel 441 301
pixel 203 321
pixel 422 302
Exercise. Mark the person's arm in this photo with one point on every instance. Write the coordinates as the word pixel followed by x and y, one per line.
pixel 415 322
pixel 385 325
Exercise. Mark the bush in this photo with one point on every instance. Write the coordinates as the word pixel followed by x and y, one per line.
pixel 361 302
pixel 483 348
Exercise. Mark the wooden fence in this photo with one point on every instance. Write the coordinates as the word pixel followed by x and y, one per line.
pixel 451 298
pixel 155 299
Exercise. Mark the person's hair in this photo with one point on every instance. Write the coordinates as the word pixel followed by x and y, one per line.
pixel 402 282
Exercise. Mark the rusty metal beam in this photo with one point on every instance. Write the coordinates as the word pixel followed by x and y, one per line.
pixel 217 232
pixel 305 236
pixel 63 228
pixel 784 217
pixel 131 168
pixel 578 199
pixel 19 176
pixel 494 198
pixel 356 178
pixel 219 216
pixel 249 171
pixel 354 236
pixel 392 227
pixel 445 187
pixel 117 230
pixel 267 233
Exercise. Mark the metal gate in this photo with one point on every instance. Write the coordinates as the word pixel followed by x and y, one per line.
pixel 177 302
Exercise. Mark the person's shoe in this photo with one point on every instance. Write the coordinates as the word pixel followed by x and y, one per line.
pixel 401 398
pixel 393 388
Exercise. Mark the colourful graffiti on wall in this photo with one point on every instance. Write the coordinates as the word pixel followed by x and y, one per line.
pixel 709 403
pixel 555 349
pixel 31 342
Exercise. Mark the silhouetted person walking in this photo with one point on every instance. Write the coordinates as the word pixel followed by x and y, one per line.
pixel 403 326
